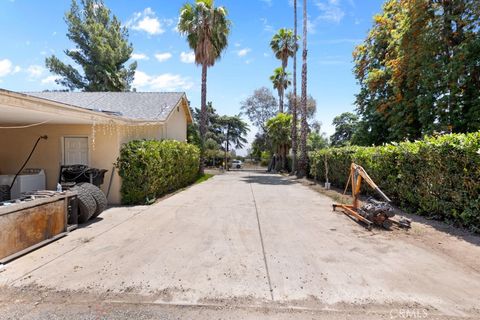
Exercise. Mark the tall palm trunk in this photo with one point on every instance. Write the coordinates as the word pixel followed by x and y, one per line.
pixel 227 145
pixel 280 101
pixel 203 117
pixel 294 106
pixel 302 165
pixel 281 149
pixel 281 93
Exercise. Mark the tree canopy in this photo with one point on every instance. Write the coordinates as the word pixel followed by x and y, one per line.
pixel 260 107
pixel 101 50
pixel 207 29
pixel 233 131
pixel 345 127
pixel 279 129
pixel 284 45
pixel 224 132
pixel 419 71
pixel 311 106
pixel 281 81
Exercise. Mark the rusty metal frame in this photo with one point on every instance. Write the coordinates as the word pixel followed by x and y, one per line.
pixel 349 210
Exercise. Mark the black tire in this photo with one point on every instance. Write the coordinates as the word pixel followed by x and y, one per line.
pixel 86 204
pixel 98 196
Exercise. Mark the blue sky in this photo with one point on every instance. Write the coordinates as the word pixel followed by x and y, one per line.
pixel 31 30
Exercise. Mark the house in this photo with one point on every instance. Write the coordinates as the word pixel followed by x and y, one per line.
pixel 85 128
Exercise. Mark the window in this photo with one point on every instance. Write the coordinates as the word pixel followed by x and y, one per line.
pixel 75 150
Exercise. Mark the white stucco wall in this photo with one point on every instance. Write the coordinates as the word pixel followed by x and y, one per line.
pixel 176 125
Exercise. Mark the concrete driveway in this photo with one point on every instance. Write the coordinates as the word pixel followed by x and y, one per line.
pixel 247 241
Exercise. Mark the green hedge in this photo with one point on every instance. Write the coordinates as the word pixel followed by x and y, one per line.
pixel 151 168
pixel 438 177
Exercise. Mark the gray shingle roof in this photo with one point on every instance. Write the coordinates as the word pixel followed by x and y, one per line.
pixel 149 106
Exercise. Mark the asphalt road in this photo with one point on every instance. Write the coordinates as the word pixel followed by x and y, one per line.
pixel 240 245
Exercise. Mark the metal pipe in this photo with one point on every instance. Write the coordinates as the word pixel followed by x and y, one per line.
pixel 45 137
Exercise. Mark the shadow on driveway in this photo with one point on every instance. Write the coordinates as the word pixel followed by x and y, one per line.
pixel 267 179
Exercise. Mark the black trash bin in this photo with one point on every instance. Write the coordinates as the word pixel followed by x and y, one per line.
pixel 73 174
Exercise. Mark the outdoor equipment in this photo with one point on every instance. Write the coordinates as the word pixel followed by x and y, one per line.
pixel 373 211
pixel 7 195
pixel 78 173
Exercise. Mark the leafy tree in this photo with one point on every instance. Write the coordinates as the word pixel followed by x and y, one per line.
pixel 419 71
pixel 280 80
pixel 345 127
pixel 212 151
pixel 193 130
pixel 303 161
pixel 284 45
pixel 260 144
pixel 279 131
pixel 311 106
pixel 193 135
pixel 233 131
pixel 260 107
pixel 213 129
pixel 101 50
pixel 316 141
pixel 207 29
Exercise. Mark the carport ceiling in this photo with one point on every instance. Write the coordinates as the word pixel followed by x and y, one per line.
pixel 15 115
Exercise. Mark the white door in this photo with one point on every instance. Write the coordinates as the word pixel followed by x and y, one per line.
pixel 75 150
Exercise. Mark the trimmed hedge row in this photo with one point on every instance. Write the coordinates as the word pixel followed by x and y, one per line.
pixel 438 177
pixel 152 168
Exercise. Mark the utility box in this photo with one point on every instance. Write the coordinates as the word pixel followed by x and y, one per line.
pixel 28 180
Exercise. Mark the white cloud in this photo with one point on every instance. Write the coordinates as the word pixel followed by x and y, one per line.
pixel 139 56
pixel 162 82
pixel 35 71
pixel 5 67
pixel 311 26
pixel 161 57
pixel 268 2
pixel 243 52
pixel 266 26
pixel 50 79
pixel 141 79
pixel 330 10
pixel 187 57
pixel 146 21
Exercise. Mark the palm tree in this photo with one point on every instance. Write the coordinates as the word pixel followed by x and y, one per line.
pixel 302 164
pixel 281 82
pixel 295 100
pixel 284 45
pixel 207 29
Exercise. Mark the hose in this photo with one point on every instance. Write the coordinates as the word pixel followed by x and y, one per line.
pixel 26 161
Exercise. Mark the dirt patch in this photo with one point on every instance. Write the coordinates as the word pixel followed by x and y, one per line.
pixel 36 302
pixel 460 244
